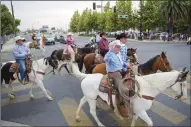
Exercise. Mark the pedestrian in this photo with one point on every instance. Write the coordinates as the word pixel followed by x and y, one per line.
pixel 103 44
pixel 20 53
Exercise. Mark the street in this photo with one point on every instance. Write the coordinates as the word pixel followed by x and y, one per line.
pixel 66 92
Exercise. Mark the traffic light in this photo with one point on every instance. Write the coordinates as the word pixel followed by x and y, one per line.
pixel 114 9
pixel 94 6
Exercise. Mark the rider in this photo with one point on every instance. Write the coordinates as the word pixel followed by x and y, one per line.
pixel 113 62
pixel 20 53
pixel 34 40
pixel 123 52
pixel 103 44
pixel 70 41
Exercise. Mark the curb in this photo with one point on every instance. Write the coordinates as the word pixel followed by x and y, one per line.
pixel 7 123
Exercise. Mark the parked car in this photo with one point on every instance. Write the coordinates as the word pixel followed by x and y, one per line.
pixel 62 40
pixel 49 40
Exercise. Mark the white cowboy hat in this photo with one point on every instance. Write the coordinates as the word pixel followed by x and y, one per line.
pixel 69 34
pixel 18 38
pixel 114 43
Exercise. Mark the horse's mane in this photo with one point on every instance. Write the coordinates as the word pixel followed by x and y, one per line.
pixel 148 65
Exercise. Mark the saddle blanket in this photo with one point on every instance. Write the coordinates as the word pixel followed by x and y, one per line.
pixel 105 84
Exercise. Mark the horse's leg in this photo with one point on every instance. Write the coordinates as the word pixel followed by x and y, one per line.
pixel 82 102
pixel 30 93
pixel 135 117
pixel 66 69
pixel 11 90
pixel 144 116
pixel 41 85
pixel 92 104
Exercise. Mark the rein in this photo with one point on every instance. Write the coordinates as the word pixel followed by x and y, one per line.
pixel 163 63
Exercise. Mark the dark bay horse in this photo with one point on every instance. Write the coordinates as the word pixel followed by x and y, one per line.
pixel 90 60
pixel 159 62
pixel 80 51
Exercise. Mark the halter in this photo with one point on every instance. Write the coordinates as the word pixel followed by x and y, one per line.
pixel 163 63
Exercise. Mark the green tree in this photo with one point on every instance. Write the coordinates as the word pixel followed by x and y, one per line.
pixel 174 9
pixel 7 21
pixel 82 21
pixel 74 21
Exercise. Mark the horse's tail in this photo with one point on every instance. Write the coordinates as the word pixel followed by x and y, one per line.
pixel 91 68
pixel 81 63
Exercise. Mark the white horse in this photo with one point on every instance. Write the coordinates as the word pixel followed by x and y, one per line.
pixel 39 69
pixel 150 85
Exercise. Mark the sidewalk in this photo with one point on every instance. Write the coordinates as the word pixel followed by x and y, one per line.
pixel 7 123
pixel 8 46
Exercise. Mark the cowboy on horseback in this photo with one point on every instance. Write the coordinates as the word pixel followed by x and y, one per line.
pixel 34 41
pixel 20 53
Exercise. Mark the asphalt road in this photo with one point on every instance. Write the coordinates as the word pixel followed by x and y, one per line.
pixel 67 93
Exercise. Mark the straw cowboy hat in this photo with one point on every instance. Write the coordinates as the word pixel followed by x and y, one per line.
pixel 18 38
pixel 114 43
pixel 68 34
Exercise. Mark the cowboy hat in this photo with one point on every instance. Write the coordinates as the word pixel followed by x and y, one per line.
pixel 68 34
pixel 18 38
pixel 122 35
pixel 114 43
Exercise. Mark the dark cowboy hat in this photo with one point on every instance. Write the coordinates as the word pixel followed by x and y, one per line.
pixel 122 35
pixel 103 33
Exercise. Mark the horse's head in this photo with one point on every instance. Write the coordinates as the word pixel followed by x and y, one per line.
pixel 131 53
pixel 163 63
pixel 51 61
pixel 180 85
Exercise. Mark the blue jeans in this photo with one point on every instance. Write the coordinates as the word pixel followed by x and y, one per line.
pixel 22 67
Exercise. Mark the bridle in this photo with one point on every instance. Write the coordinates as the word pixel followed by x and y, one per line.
pixel 163 63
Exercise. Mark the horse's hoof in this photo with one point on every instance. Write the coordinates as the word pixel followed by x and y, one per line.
pixel 12 96
pixel 78 120
pixel 32 97
pixel 50 98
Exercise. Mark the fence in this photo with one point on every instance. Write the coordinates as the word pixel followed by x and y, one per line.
pixel 5 38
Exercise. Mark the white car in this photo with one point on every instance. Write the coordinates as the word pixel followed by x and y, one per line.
pixel 49 39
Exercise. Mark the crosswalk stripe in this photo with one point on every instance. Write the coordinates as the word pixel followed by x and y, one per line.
pixel 124 122
pixel 68 107
pixel 170 93
pixel 168 113
pixel 22 98
pixel 18 88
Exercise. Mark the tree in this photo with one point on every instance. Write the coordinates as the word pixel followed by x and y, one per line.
pixel 174 9
pixel 7 21
pixel 82 21
pixel 74 21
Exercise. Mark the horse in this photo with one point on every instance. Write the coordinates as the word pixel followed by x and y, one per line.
pixel 159 62
pixel 40 46
pixel 62 57
pixel 35 76
pixel 99 67
pixel 146 89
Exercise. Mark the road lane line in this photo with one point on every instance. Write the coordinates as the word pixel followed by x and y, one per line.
pixel 22 98
pixel 18 88
pixel 170 93
pixel 167 113
pixel 124 122
pixel 68 107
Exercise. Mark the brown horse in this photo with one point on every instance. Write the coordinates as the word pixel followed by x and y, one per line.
pixel 159 62
pixel 91 59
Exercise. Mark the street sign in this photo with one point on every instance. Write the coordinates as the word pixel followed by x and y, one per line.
pixel 123 16
pixel 98 6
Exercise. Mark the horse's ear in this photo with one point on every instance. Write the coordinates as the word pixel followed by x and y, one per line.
pixel 183 70
pixel 184 74
pixel 163 54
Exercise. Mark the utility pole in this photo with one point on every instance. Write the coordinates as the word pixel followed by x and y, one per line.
pixel 13 18
pixel 140 19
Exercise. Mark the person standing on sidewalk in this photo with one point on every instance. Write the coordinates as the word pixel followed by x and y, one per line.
pixel 103 44
pixel 20 53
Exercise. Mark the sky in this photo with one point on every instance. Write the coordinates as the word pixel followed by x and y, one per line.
pixel 35 14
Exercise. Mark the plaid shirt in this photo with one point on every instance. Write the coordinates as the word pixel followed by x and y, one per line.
pixel 123 54
pixel 112 62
